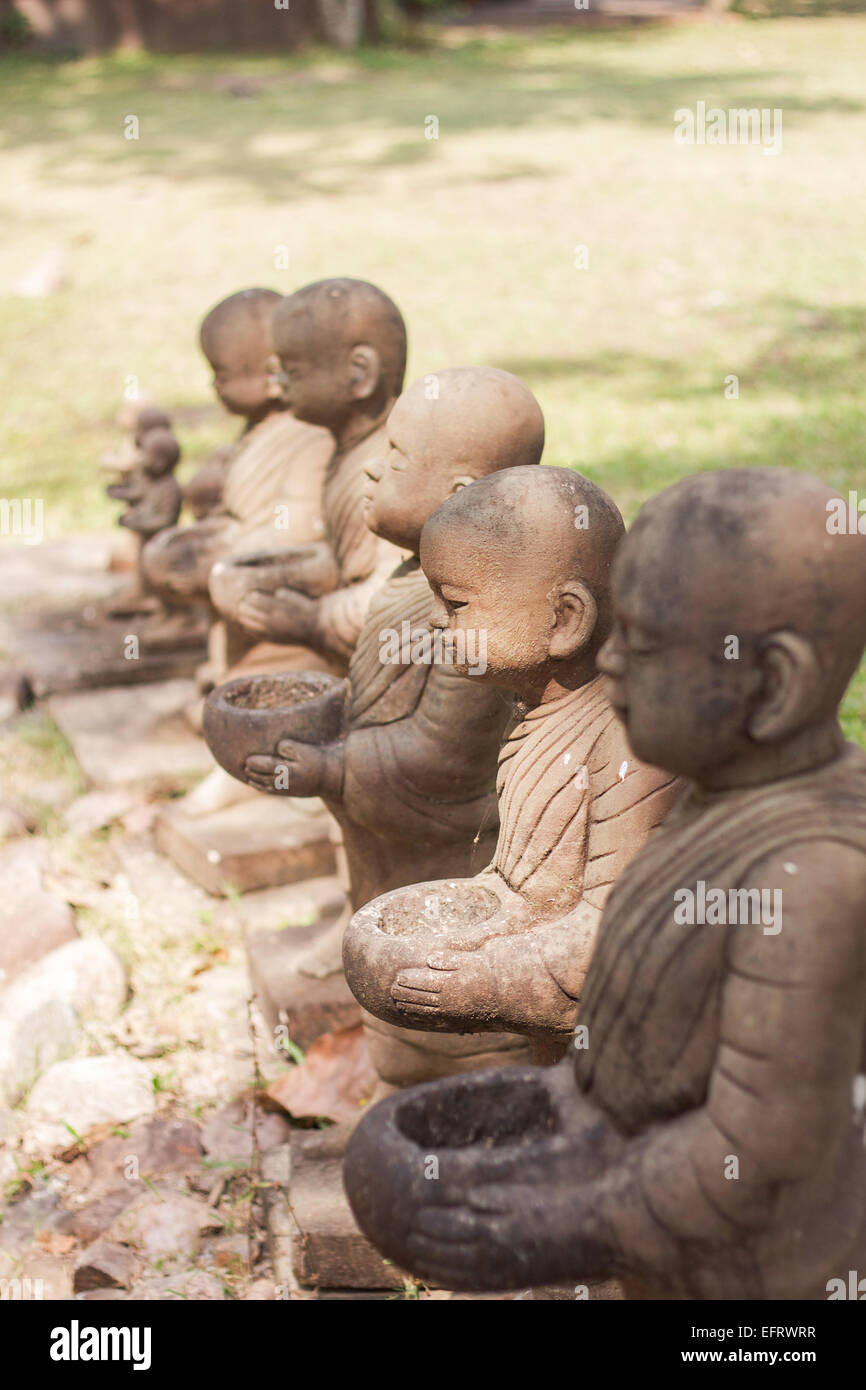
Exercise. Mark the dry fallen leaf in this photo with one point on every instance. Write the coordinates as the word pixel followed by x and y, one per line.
pixel 334 1080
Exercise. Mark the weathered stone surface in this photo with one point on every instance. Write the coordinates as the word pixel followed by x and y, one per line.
pixel 196 1285
pixel 258 843
pixel 89 1091
pixel 227 1136
pixel 53 1270
pixel 75 568
pixel 104 1265
pixel 40 1011
pixel 292 905
pixel 97 809
pixel 38 1035
pixel 85 973
pixel 82 649
pixel 133 737
pixel 90 1221
pixel 161 1224
pixel 328 1250
pixel 309 1007
pixel 33 921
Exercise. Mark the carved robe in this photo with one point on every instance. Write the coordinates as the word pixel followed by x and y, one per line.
pixel 746 1044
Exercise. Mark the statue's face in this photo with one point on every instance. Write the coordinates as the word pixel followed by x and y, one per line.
pixel 242 390
pixel 500 601
pixel 313 386
pixel 684 702
pixel 409 481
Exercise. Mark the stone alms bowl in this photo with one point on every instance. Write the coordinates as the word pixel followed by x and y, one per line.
pixel 309 568
pixel 400 929
pixel 252 714
pixel 479 1127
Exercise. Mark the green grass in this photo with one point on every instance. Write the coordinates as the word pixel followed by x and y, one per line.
pixel 704 262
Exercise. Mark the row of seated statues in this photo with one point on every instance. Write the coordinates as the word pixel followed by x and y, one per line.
pixel 605 841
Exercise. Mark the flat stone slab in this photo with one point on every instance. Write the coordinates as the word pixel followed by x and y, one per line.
pixel 309 1007
pixel 81 650
pixel 76 568
pixel 254 844
pixel 133 737
pixel 328 1250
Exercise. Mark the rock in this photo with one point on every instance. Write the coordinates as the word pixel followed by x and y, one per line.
pixel 24 1219
pixel 87 1092
pixel 159 1147
pixel 14 824
pixel 32 920
pixel 103 1295
pixel 162 1225
pixel 196 1285
pixel 261 1291
pixel 34 1038
pixel 40 1012
pixel 85 973
pixel 133 736
pixel 254 844
pixel 95 810
pixel 227 1135
pixel 90 1221
pixel 104 1265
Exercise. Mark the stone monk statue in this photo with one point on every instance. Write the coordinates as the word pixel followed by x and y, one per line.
pixel 523 557
pixel 411 780
pixel 703 1140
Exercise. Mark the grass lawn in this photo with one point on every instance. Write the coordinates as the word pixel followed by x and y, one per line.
pixel 704 262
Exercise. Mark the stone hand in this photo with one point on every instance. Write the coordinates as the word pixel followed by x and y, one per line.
pixel 284 616
pixel 297 769
pixel 450 984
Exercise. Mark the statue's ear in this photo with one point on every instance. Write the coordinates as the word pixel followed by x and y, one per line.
pixel 365 371
pixel 791 687
pixel 575 617
pixel 462 481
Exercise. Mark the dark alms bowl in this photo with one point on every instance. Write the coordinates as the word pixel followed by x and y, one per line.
pixel 252 714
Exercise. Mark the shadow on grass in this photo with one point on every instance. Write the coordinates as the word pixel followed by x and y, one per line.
pixel 815 350
pixel 198 122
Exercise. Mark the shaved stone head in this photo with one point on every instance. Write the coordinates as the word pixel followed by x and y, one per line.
pixel 238 329
pixel 447 430
pixel 748 552
pixel 481 417
pixel 552 521
pixel 333 316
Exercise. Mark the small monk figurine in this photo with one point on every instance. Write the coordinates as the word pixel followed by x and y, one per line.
pixel 146 463
pixel 412 778
pixel 341 346
pixel 150 485
pixel 524 558
pixel 278 463
pixel 702 1141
